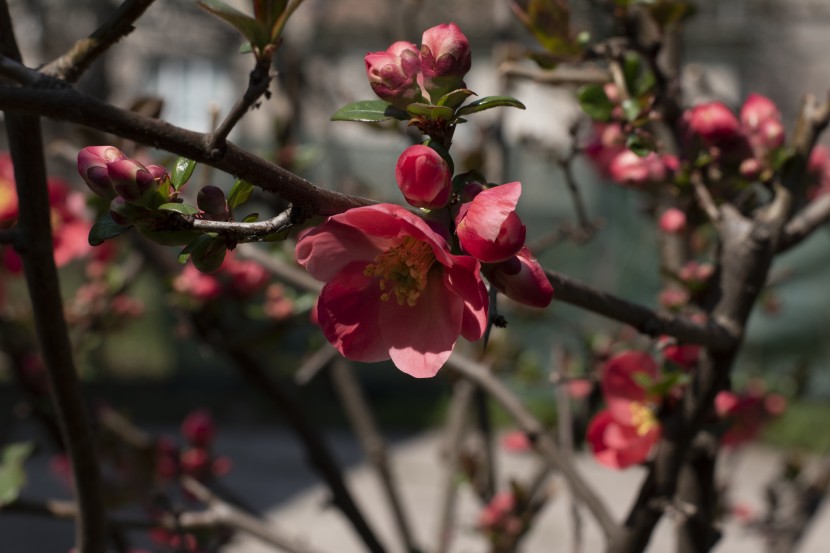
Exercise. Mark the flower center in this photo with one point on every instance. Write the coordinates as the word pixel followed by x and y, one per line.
pixel 6 195
pixel 642 418
pixel 402 270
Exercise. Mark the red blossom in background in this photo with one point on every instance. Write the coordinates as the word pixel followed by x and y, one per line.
pixel 747 413
pixel 423 177
pixel 488 227
pixel 8 194
pixel 714 123
pixel 393 290
pixel 673 221
pixel 631 169
pixel 521 279
pixel 516 441
pixel 623 434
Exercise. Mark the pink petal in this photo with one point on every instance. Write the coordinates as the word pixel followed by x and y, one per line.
pixel 489 210
pixel 464 279
pixel 421 337
pixel 348 310
pixel 326 249
pixel 617 445
pixel 619 386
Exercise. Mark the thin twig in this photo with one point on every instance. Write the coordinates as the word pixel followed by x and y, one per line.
pixel 560 76
pixel 246 232
pixel 374 446
pixel 462 398
pixel 314 364
pixel 803 223
pixel 705 199
pixel 541 440
pixel 71 65
pixel 258 83
pixel 26 145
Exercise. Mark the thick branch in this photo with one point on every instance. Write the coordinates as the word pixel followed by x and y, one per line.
pixel 803 223
pixel 34 225
pixel 246 232
pixel 67 104
pixel 71 65
pixel 642 318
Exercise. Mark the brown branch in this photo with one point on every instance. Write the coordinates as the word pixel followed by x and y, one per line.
pixel 539 436
pixel 560 76
pixel 258 83
pixel 34 224
pixel 705 199
pixel 245 232
pixel 645 320
pixel 805 222
pixel 374 446
pixel 66 104
pixel 71 65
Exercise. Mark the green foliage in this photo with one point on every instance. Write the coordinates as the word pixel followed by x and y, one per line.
pixel 181 172
pixel 184 209
pixel 489 102
pixel 255 31
pixel 12 472
pixel 240 193
pixel 594 102
pixel 433 113
pixel 550 23
pixel 455 98
pixel 104 229
pixel 369 111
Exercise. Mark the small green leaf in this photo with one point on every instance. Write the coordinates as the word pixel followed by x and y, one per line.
pixel 104 229
pixel 369 111
pixel 489 102
pixel 184 209
pixel 208 253
pixel 434 113
pixel 12 472
pixel 246 47
pixel 594 102
pixel 643 380
pixel 639 145
pixel 455 98
pixel 256 32
pixel 631 109
pixel 239 194
pixel 181 172
pixel 252 218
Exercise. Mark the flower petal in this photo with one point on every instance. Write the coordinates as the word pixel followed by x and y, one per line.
pixel 421 337
pixel 619 385
pixel 464 279
pixel 348 314
pixel 617 445
pixel 326 249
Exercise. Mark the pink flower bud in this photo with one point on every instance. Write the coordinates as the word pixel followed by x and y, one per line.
pixel 445 59
pixel 750 168
pixel 211 200
pixel 130 179
pixel 521 279
pixel 423 177
pixel 393 74
pixel 92 166
pixel 199 429
pixel 488 227
pixel 714 123
pixel 673 221
pixel 196 463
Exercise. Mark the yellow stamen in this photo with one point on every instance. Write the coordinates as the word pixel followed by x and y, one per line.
pixel 402 270
pixel 642 417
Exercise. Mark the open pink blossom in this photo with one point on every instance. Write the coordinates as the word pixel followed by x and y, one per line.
pixel 393 289
pixel 622 381
pixel 714 123
pixel 423 177
pixel 488 227
pixel 618 445
pixel 757 110
pixel 521 279
pixel 445 59
pixel 393 74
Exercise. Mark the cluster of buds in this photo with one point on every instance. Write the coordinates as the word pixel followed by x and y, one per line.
pixel 405 74
pixel 747 413
pixel 196 459
pixel 501 518
pixel 622 165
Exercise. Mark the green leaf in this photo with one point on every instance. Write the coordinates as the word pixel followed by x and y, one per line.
pixel 643 380
pixel 208 253
pixel 434 113
pixel 631 109
pixel 549 21
pixel 268 11
pixel 246 47
pixel 184 209
pixel 594 102
pixel 252 218
pixel 489 102
pixel 181 172
pixel 253 30
pixel 455 98
pixel 104 229
pixel 12 472
pixel 640 145
pixel 369 111
pixel 239 194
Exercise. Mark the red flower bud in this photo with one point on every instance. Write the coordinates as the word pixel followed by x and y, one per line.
pixel 445 59
pixel 423 177
pixel 130 179
pixel 488 227
pixel 211 200
pixel 714 123
pixel 92 166
pixel 199 429
pixel 630 169
pixel 393 74
pixel 673 221
pixel 521 279
pixel 757 110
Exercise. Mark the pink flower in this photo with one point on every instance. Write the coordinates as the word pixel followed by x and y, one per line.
pixel 393 74
pixel 246 277
pixel 673 221
pixel 623 434
pixel 8 192
pixel 445 59
pixel 393 289
pixel 277 305
pixel 488 227
pixel 608 141
pixel 196 284
pixel 199 429
pixel 757 110
pixel 579 388
pixel 499 515
pixel 630 169
pixel 516 441
pixel 423 177
pixel 714 123
pixel 685 355
pixel 521 279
